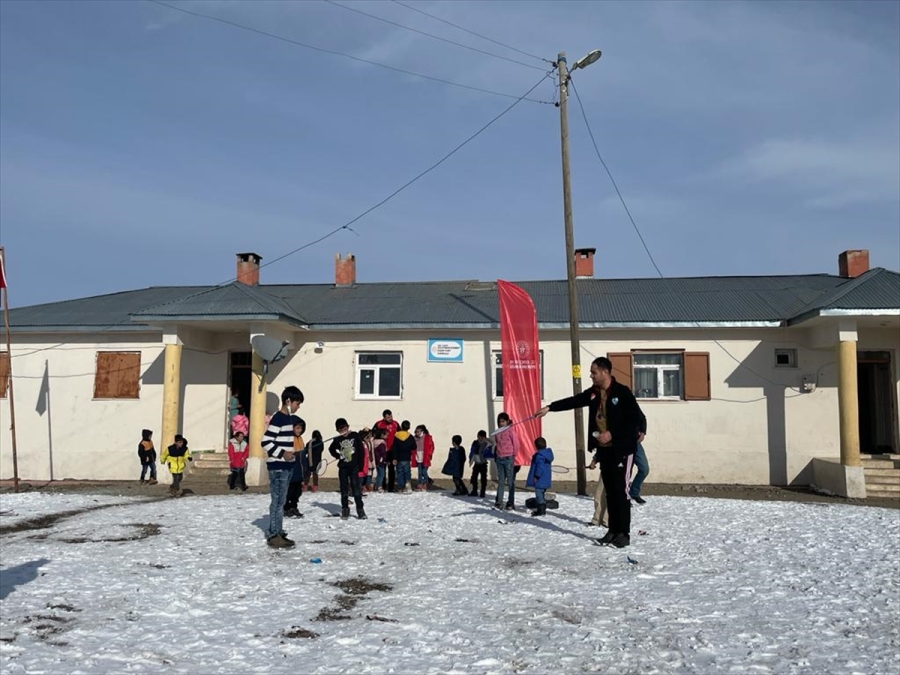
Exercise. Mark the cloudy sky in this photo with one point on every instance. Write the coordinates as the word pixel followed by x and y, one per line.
pixel 143 146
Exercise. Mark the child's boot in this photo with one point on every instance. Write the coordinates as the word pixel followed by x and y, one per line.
pixel 361 514
pixel 345 512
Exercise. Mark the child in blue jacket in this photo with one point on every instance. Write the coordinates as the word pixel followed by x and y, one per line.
pixel 539 475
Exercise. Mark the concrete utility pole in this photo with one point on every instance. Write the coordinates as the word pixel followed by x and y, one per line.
pixel 574 335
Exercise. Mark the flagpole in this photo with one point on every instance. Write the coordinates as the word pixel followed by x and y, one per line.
pixel 9 378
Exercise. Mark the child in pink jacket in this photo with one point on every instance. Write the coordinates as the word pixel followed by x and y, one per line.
pixel 238 452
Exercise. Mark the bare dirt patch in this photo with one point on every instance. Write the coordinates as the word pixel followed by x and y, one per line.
pixel 354 590
pixel 375 617
pixel 297 632
pixel 142 531
pixel 63 606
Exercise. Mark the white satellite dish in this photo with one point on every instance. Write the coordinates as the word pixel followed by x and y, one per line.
pixel 270 350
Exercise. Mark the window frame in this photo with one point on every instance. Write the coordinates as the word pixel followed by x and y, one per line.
pixel 660 369
pixel 359 367
pixel 496 355
pixel 792 355
pixel 97 373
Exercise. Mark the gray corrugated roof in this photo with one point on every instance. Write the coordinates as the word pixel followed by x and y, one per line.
pixel 234 300
pixel 762 299
pixel 103 311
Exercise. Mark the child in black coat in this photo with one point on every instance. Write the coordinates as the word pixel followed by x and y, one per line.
pixel 456 466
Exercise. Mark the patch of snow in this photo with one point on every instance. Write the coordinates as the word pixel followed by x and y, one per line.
pixel 437 584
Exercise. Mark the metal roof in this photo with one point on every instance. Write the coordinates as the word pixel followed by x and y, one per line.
pixel 735 301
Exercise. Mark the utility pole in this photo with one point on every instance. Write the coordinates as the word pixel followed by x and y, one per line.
pixel 574 335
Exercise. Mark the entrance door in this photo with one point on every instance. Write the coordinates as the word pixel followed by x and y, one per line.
pixel 877 403
pixel 241 379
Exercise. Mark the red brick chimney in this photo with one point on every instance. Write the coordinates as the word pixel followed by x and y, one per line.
pixel 344 269
pixel 853 263
pixel 584 263
pixel 248 268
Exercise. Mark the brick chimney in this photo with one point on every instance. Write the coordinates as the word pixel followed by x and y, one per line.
pixel 344 270
pixel 248 268
pixel 853 263
pixel 584 263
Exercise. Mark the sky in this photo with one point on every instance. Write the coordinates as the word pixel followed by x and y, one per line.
pixel 141 146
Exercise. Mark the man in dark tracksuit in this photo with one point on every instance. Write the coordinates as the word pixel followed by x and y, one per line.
pixel 613 427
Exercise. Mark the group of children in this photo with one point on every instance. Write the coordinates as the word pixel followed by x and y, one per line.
pixel 175 457
pixel 364 459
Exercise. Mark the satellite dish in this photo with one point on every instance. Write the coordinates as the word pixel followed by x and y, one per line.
pixel 269 350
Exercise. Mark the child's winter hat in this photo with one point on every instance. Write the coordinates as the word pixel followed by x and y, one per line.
pixel 146 434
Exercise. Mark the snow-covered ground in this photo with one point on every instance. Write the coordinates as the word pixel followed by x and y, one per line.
pixel 439 584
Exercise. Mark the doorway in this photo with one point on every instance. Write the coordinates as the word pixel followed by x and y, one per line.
pixel 240 378
pixel 877 404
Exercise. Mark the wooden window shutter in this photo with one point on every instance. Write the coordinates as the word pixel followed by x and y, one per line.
pixel 118 375
pixel 696 376
pixel 623 366
pixel 4 373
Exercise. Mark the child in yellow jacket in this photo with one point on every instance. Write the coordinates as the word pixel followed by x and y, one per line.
pixel 176 457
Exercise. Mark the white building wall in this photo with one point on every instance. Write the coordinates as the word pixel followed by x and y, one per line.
pixel 755 430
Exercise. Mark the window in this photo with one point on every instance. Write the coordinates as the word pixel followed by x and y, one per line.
pixel 498 374
pixel 670 375
pixel 118 375
pixel 379 374
pixel 785 358
pixel 4 373
pixel 658 375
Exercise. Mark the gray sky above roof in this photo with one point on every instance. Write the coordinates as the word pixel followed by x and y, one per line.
pixel 746 137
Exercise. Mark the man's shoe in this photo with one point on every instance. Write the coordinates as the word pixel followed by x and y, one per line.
pixel 607 538
pixel 620 541
pixel 279 542
pixel 638 499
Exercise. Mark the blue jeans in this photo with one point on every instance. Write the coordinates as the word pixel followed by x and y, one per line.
pixel 279 480
pixel 505 478
pixel 379 477
pixel 152 467
pixel 643 470
pixel 423 474
pixel 539 496
pixel 403 475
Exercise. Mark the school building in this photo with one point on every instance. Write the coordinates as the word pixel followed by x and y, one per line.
pixel 760 380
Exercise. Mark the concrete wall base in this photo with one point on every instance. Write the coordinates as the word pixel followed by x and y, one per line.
pixel 844 481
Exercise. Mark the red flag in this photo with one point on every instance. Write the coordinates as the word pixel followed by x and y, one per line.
pixel 2 271
pixel 521 365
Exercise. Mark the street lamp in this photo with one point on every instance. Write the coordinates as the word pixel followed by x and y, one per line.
pixel 574 338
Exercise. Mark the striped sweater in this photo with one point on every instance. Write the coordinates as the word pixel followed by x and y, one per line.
pixel 278 439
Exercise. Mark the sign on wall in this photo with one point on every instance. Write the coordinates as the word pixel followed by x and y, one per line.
pixel 445 350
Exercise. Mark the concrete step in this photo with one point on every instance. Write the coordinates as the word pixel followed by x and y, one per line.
pixel 883 482
pixel 880 471
pixel 881 462
pixel 211 459
pixel 883 492
pixel 882 488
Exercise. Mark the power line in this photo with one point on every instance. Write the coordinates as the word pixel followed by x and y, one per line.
pixel 471 32
pixel 431 35
pixel 346 226
pixel 349 223
pixel 644 243
pixel 333 52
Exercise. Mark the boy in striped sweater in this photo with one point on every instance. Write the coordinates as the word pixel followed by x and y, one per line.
pixel 278 443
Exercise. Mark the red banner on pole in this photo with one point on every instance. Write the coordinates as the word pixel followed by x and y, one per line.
pixel 521 365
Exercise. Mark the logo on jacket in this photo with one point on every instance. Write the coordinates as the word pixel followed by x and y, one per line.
pixel 347 450
pixel 615 400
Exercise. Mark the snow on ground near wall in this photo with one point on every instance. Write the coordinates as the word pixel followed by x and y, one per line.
pixel 451 586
